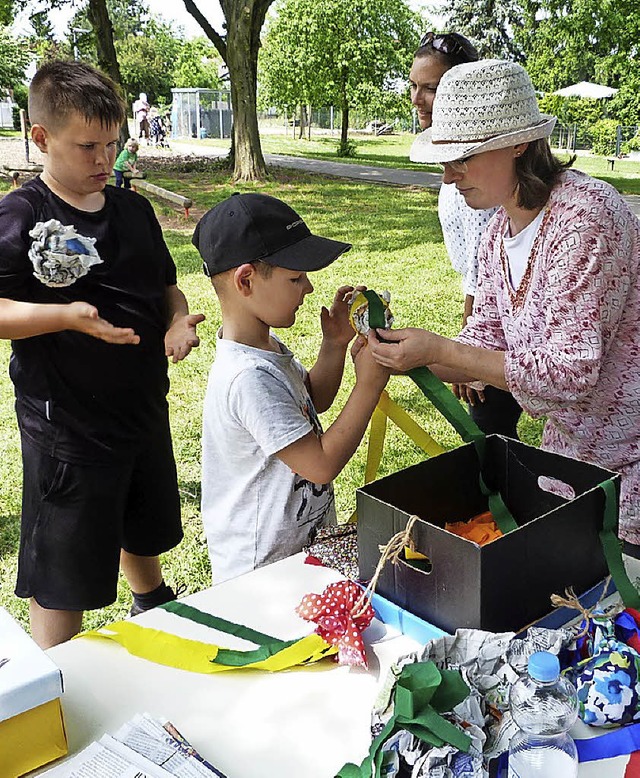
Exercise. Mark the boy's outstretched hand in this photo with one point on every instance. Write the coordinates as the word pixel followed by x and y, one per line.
pixel 181 336
pixel 84 317
pixel 334 321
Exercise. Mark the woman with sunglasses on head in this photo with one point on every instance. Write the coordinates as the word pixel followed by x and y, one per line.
pixel 556 318
pixel 493 410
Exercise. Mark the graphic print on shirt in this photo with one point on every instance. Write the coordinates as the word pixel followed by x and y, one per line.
pixel 59 254
pixel 320 496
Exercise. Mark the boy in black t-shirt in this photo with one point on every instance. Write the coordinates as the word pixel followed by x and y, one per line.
pixel 79 258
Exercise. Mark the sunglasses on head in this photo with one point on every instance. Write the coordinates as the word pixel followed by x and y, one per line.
pixel 452 44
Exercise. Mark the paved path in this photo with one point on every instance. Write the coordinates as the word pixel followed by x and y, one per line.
pixel 634 203
pixel 370 173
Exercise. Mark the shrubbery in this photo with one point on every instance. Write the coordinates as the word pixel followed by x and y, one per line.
pixel 603 137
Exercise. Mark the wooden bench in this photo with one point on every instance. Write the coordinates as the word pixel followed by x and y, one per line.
pixel 172 197
pixel 14 172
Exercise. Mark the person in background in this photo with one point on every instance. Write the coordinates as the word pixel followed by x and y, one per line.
pixel 126 163
pixel 493 410
pixel 556 316
pixel 141 110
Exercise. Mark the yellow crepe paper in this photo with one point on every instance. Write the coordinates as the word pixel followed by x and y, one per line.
pixel 198 657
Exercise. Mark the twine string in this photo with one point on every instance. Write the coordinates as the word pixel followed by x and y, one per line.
pixel 570 600
pixel 390 552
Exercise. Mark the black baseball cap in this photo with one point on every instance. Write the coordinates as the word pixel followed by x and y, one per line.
pixel 251 227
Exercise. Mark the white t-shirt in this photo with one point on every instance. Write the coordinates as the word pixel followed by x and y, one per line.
pixel 462 228
pixel 518 248
pixel 254 508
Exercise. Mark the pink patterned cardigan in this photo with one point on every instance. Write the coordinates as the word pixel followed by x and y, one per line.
pixel 571 332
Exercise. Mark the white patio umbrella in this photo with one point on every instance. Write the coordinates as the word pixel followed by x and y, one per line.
pixel 586 89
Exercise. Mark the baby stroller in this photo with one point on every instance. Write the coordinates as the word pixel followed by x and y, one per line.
pixel 158 131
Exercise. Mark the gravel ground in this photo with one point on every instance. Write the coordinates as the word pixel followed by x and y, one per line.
pixel 12 152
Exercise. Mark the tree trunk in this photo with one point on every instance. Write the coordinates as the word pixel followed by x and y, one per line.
pixel 244 22
pixel 239 50
pixel 302 122
pixel 107 59
pixel 249 164
pixel 344 131
pixel 309 113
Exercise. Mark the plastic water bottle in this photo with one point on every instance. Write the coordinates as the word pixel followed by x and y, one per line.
pixel 544 705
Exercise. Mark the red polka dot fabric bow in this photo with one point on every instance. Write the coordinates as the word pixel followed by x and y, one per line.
pixel 332 611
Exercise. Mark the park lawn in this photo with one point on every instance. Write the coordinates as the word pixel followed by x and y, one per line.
pixel 625 177
pixel 397 245
pixel 393 151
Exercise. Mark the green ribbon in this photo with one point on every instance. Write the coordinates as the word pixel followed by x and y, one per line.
pixel 421 694
pixel 445 402
pixel 612 550
pixel 268 646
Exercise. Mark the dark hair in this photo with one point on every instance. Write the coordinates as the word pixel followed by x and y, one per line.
pixel 538 171
pixel 451 47
pixel 263 269
pixel 60 88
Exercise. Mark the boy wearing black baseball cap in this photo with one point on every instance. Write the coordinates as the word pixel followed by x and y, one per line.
pixel 267 466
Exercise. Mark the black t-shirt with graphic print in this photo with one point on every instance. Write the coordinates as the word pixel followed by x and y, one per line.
pixel 79 398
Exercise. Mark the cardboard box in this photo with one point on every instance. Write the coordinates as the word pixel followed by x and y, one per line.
pixel 506 584
pixel 31 725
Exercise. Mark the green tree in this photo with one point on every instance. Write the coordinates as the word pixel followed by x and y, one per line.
pixel 148 59
pixel 287 77
pixel 127 17
pixel 566 41
pixel 489 24
pixel 153 55
pixel 239 51
pixel 14 58
pixel 337 53
pixel 43 43
pixel 6 12
pixel 197 65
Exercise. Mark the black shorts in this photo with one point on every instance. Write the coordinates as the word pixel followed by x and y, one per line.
pixel 76 518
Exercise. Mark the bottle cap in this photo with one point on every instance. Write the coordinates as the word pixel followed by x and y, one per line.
pixel 544 666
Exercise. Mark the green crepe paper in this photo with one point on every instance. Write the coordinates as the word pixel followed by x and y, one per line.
pixel 422 692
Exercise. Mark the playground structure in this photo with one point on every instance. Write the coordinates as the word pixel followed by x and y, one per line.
pixel 201 113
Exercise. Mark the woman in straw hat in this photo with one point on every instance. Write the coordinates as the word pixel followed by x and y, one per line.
pixel 492 409
pixel 556 318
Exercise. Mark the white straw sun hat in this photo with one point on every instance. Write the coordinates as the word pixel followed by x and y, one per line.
pixel 481 106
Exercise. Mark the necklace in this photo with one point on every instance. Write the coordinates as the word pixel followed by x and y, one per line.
pixel 518 295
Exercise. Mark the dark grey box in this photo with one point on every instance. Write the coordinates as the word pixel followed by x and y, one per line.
pixel 504 585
